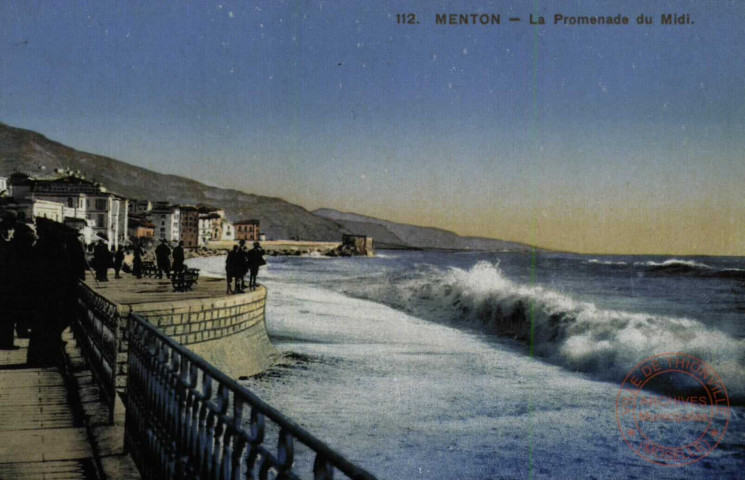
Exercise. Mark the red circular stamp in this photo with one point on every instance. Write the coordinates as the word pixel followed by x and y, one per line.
pixel 672 409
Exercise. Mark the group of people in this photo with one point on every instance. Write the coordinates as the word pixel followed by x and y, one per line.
pixel 103 259
pixel 39 271
pixel 50 261
pixel 163 258
pixel 241 261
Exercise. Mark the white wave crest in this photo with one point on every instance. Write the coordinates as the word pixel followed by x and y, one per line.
pixel 674 262
pixel 577 335
pixel 606 262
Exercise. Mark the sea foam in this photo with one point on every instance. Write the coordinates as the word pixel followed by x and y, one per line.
pixel 574 334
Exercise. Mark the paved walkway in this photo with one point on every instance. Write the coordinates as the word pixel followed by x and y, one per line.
pixel 130 290
pixel 42 434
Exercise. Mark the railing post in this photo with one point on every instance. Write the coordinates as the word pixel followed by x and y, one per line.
pixel 96 328
pixel 115 366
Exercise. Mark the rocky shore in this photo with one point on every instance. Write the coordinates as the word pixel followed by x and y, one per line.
pixel 282 248
pixel 272 248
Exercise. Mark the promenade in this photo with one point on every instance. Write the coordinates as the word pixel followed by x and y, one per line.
pixel 42 432
pixel 166 388
pixel 130 290
pixel 53 424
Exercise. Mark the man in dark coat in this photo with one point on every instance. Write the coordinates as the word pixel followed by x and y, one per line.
pixel 118 261
pixel 7 315
pixel 254 259
pixel 163 258
pixel 242 265
pixel 21 266
pixel 137 261
pixel 101 261
pixel 231 269
pixel 178 257
pixel 59 268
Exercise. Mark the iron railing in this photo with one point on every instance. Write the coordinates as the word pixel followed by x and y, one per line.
pixel 187 419
pixel 98 332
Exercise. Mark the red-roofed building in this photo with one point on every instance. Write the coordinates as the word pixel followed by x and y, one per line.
pixel 248 230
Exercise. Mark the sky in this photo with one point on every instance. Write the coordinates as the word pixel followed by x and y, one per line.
pixel 594 139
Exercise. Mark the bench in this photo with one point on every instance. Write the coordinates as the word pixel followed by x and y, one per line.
pixel 149 269
pixel 185 279
pixel 194 272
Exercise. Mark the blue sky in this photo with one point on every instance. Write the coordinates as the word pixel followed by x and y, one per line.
pixel 598 139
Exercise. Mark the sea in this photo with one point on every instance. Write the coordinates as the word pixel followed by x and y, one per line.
pixel 474 365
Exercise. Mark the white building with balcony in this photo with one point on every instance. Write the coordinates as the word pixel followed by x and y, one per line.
pixel 79 198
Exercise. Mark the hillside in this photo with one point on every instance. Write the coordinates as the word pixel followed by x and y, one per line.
pixel 394 234
pixel 31 152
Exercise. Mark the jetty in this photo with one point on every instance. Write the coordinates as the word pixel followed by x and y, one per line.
pixel 140 395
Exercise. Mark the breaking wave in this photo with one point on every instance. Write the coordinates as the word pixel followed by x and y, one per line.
pixel 691 268
pixel 675 263
pixel 606 262
pixel 574 334
pixel 675 266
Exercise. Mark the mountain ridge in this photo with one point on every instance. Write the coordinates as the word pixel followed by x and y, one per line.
pixel 31 152
pixel 416 236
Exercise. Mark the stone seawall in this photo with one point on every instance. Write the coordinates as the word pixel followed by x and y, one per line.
pixel 228 332
pixel 196 321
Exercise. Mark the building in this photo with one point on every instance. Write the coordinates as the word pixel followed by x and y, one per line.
pixel 35 208
pixel 210 224
pixel 3 186
pixel 228 231
pixel 360 244
pixel 140 207
pixel 83 226
pixel 139 228
pixel 248 230
pixel 210 228
pixel 189 226
pixel 80 198
pixel 204 209
pixel 167 221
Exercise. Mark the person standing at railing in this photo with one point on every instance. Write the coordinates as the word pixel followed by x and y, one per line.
pixel 254 259
pixel 163 258
pixel 232 268
pixel 118 261
pixel 112 257
pixel 137 261
pixel 101 261
pixel 178 257
pixel 243 267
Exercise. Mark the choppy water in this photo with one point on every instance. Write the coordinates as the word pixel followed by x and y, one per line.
pixel 418 364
